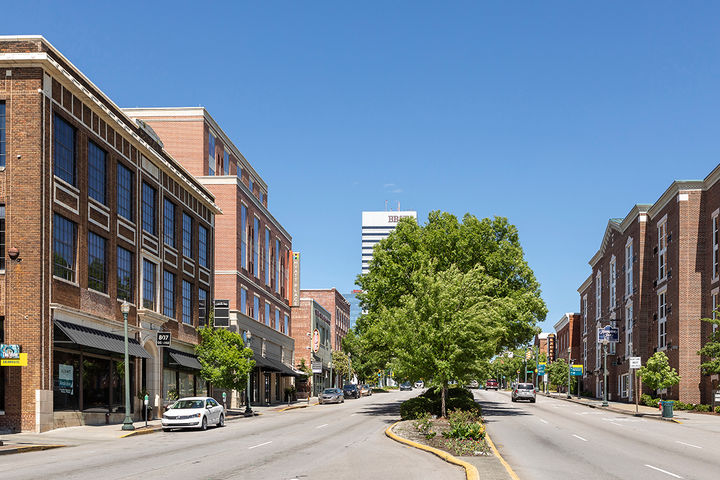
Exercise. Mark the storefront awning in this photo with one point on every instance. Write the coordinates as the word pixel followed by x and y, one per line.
pixel 91 337
pixel 268 364
pixel 186 360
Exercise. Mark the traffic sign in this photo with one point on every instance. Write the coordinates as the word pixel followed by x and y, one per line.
pixel 635 362
pixel 609 333
pixel 576 370
pixel 541 369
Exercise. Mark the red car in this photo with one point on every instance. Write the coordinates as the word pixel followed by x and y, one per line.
pixel 491 384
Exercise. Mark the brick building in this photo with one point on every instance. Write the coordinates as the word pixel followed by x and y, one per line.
pixel 83 191
pixel 339 308
pixel 252 249
pixel 568 338
pixel 654 277
pixel 311 329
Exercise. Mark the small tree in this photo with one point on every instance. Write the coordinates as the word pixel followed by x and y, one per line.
pixel 558 373
pixel 658 374
pixel 711 350
pixel 341 364
pixel 225 360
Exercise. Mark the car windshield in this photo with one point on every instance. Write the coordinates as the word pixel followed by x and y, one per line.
pixel 525 386
pixel 182 404
pixel 406 384
pixel 349 387
pixel 330 390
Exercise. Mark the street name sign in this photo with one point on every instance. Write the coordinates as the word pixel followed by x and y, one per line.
pixel 635 362
pixel 163 339
pixel 576 370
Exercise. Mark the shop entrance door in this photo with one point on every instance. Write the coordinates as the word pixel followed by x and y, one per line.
pixel 267 388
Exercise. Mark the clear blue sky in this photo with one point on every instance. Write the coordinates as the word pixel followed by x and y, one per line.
pixel 557 115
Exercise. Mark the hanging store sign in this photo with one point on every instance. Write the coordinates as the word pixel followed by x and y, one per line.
pixel 9 350
pixel 316 341
pixel 163 339
pixel 317 366
pixel 15 362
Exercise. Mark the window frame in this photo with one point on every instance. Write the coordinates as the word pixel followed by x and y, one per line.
pixel 64 150
pixel 662 319
pixel 71 246
pixel 203 246
pixel 169 281
pixel 125 204
pixel 97 280
pixel 187 302
pixel 3 134
pixel 662 249
pixel 150 281
pixel 715 237
pixel 211 154
pixel 598 295
pixel 629 268
pixel 121 269
pixel 613 283
pixel 149 210
pixel 169 237
pixel 187 227
pixel 97 174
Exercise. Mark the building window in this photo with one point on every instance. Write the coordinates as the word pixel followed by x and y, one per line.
pixel 629 268
pixel 64 237
pixel 187 302
pixel 2 134
pixel 715 246
pixel 239 171
pixel 262 197
pixel 243 301
pixel 96 173
pixel 277 319
pixel 211 154
pixel 124 274
pixel 598 295
pixel 598 351
pixel 169 223
pixel 662 250
pixel 243 236
pixel 187 235
pixel 612 283
pixel 226 163
pixel 287 325
pixel 584 309
pixel 267 314
pixel 584 355
pixel 169 294
pixel 256 247
pixel 203 245
pixel 256 308
pixel 714 299
pixel 662 320
pixel 149 285
pixel 125 192
pixel 148 209
pixel 277 266
pixel 624 385
pixel 628 329
pixel 267 256
pixel 97 278
pixel 203 306
pixel 64 150
pixel 250 185
pixel 2 237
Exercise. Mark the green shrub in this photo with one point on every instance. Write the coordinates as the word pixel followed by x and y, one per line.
pixel 683 406
pixel 701 408
pixel 647 400
pixel 416 407
pixel 453 392
pixel 462 403
pixel 464 425
pixel 424 425
pixel 717 409
pixel 459 400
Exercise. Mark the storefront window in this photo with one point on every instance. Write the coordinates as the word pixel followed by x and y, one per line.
pixel 96 383
pixel 170 391
pixel 200 387
pixel 187 384
pixel 66 381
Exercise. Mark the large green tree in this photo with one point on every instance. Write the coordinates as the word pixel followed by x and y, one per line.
pixel 341 364
pixel 443 298
pixel 225 360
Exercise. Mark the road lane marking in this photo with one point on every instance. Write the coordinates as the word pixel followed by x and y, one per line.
pixel 544 421
pixel 688 444
pixel 616 424
pixel 578 436
pixel 259 445
pixel 663 471
pixel 323 425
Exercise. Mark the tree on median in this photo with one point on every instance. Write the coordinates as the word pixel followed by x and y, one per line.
pixel 225 360
pixel 443 298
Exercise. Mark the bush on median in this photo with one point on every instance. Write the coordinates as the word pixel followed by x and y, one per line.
pixel 429 402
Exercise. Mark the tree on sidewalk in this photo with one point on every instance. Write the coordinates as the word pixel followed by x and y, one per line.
pixel 657 374
pixel 225 361
pixel 711 350
pixel 341 364
pixel 558 373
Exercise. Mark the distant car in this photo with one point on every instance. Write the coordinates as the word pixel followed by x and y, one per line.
pixel 473 384
pixel 194 412
pixel 491 384
pixel 524 391
pixel 331 395
pixel 419 384
pixel 351 390
pixel 405 386
pixel 365 390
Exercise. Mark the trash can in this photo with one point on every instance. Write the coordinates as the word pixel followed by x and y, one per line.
pixel 667 409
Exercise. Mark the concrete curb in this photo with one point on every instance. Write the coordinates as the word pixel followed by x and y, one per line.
pixel 614 410
pixel 507 466
pixel 295 407
pixel 471 473
pixel 29 448
pixel 141 431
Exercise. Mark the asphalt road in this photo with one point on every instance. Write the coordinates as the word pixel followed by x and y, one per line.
pixel 319 442
pixel 557 439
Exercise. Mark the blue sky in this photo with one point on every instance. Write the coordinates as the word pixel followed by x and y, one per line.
pixel 557 115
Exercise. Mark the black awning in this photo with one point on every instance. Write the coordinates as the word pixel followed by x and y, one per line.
pixel 186 360
pixel 274 365
pixel 91 337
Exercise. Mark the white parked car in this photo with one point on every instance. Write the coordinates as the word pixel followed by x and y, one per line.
pixel 194 412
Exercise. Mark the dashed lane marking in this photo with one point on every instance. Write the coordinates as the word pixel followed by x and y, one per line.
pixel 581 438
pixel 544 421
pixel 688 444
pixel 663 471
pixel 259 445
pixel 323 425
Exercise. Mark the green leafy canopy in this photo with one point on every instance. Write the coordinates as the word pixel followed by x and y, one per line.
pixel 225 360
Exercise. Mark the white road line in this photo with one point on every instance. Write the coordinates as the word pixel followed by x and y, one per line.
pixel 688 444
pixel 544 421
pixel 663 471
pixel 260 445
pixel 323 425
pixel 352 415
pixel 616 424
pixel 578 436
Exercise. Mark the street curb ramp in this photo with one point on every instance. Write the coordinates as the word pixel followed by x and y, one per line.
pixel 471 473
pixel 28 448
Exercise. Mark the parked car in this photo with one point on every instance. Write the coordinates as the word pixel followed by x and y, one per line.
pixel 405 386
pixel 365 390
pixel 491 384
pixel 524 391
pixel 331 395
pixel 419 384
pixel 473 384
pixel 194 412
pixel 351 390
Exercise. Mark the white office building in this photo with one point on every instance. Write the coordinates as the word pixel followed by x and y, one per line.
pixel 375 227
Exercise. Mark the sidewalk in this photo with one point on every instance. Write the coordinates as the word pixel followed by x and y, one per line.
pixel 617 407
pixel 86 434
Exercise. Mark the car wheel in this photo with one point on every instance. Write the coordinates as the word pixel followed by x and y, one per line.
pixel 532 401
pixel 342 401
pixel 166 429
pixel 221 421
pixel 203 424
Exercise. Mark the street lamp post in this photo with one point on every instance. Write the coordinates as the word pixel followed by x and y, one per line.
pixel 569 363
pixel 331 375
pixel 605 371
pixel 127 423
pixel 248 410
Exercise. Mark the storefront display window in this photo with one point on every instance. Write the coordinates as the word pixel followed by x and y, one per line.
pixel 170 391
pixel 66 381
pixel 200 387
pixel 187 384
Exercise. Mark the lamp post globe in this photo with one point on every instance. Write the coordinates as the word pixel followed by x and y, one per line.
pixel 127 423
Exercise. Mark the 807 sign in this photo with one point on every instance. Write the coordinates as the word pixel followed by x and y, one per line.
pixel 163 339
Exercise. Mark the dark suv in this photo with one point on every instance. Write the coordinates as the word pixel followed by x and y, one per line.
pixel 351 390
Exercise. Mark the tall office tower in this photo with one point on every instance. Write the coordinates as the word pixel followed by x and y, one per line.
pixel 375 227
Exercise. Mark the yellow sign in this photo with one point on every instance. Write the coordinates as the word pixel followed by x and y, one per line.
pixel 15 362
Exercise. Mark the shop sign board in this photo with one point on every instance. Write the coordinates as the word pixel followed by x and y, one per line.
pixel 611 334
pixel 65 378
pixel 576 370
pixel 317 366
pixel 22 361
pixel 316 340
pixel 9 350
pixel 163 339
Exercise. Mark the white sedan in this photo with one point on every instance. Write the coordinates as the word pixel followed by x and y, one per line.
pixel 194 412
